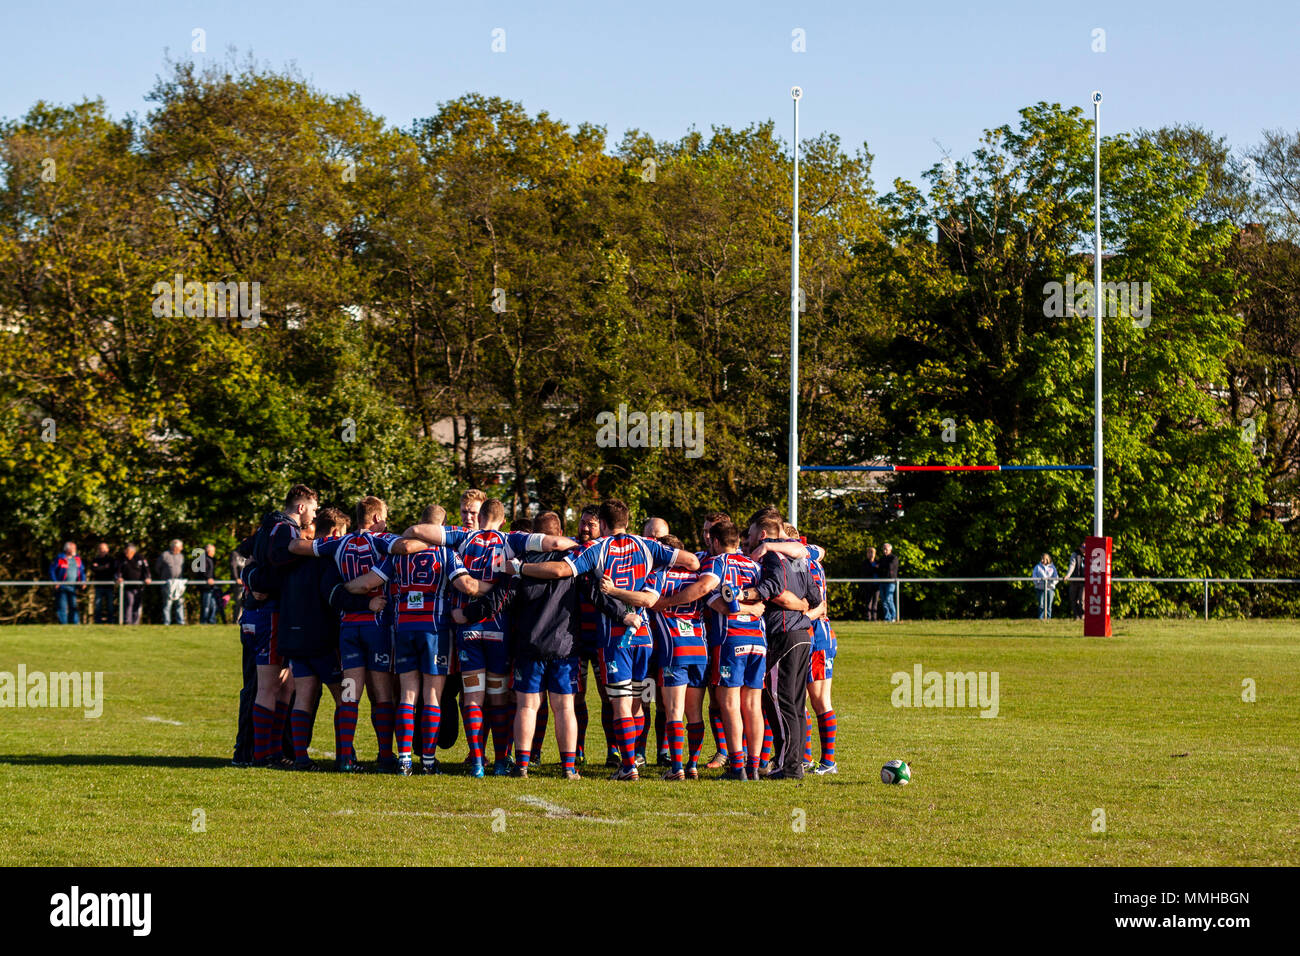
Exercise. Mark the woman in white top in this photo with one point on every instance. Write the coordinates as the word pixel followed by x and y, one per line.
pixel 1045 580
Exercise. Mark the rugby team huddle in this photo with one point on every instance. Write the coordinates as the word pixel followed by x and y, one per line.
pixel 510 622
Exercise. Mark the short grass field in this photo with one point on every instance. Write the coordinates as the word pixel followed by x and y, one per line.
pixel 1149 727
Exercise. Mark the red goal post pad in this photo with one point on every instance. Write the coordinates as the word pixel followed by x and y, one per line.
pixel 1096 591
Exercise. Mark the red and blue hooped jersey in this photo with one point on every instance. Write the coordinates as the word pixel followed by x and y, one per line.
pixel 354 555
pixel 739 571
pixel 482 553
pixel 422 582
pixel 628 559
pixel 711 635
pixel 823 636
pixel 679 631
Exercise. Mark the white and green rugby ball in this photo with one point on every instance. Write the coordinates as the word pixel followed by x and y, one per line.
pixel 896 771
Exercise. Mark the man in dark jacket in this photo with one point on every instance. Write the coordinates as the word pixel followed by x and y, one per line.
pixel 1076 574
pixel 103 572
pixel 871 571
pixel 209 593
pixel 133 574
pixel 789 591
pixel 272 562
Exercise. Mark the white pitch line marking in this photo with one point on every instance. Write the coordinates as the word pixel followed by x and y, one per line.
pixel 164 720
pixel 556 812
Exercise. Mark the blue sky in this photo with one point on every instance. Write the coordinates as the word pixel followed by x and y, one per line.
pixel 910 80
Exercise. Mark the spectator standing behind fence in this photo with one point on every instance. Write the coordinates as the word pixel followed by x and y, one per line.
pixel 887 572
pixel 103 572
pixel 209 593
pixel 67 567
pixel 871 569
pixel 170 567
pixel 1045 580
pixel 133 574
pixel 1076 573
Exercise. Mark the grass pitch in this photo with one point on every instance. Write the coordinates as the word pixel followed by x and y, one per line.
pixel 1149 727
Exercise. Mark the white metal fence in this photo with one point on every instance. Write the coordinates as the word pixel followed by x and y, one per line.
pixel 1205 582
pixel 118 589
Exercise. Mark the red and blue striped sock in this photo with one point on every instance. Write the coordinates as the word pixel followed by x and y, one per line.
pixel 719 733
pixel 738 759
pixel 302 728
pixel 263 718
pixel 767 742
pixel 429 733
pixel 382 716
pixel 277 725
pixel 642 732
pixel 695 734
pixel 539 734
pixel 569 758
pixel 499 716
pixel 676 733
pixel 473 714
pixel 826 727
pixel 523 757
pixel 405 729
pixel 346 723
pixel 807 737
pixel 626 727
pixel 753 763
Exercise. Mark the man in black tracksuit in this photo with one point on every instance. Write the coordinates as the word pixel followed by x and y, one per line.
pixel 788 588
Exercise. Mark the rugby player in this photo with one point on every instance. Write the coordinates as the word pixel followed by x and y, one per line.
pixel 589 651
pixel 262 578
pixel 421 574
pixel 742 649
pixel 683 666
pixel 656 529
pixel 821 669
pixel 719 758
